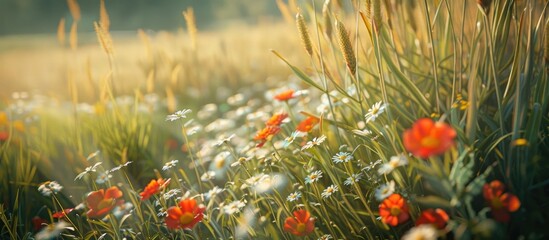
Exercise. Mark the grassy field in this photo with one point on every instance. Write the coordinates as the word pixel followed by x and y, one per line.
pixel 367 120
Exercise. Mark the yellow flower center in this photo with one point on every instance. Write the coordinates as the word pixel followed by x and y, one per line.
pixel 430 142
pixel 300 227
pixel 186 218
pixel 496 203
pixel 395 211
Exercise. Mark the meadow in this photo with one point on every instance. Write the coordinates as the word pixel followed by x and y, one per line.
pixel 343 120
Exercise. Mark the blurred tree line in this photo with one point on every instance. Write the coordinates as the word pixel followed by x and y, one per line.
pixel 42 16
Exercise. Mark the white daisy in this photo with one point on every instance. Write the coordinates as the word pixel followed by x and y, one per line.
pixel 385 190
pixel 49 187
pixel 315 142
pixel 233 207
pixel 374 112
pixel 169 165
pixel 294 196
pixel 421 232
pixel 178 115
pixel 313 177
pixel 395 161
pixel 329 191
pixel 52 230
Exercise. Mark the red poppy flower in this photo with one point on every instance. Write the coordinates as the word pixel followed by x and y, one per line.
pixel 154 187
pixel 101 202
pixel 301 224
pixel 394 210
pixel 427 138
pixel 501 203
pixel 266 134
pixel 276 119
pixel 185 215
pixel 38 223
pixel 63 213
pixel 437 217
pixel 307 124
pixel 285 96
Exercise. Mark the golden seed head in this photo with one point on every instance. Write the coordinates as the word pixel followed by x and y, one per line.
pixel 345 46
pixel 304 33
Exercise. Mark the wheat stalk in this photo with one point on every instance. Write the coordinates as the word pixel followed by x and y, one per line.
pixel 104 38
pixel 74 9
pixel 546 45
pixel 73 39
pixel 304 33
pixel 61 31
pixel 104 16
pixel 346 47
pixel 376 12
pixel 327 19
pixel 191 25
pixel 284 10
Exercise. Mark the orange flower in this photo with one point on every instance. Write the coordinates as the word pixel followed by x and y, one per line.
pixel 154 187
pixel 276 119
pixel 266 134
pixel 436 217
pixel 185 215
pixel 63 213
pixel 307 124
pixel 394 210
pixel 101 202
pixel 285 96
pixel 301 224
pixel 427 138
pixel 501 203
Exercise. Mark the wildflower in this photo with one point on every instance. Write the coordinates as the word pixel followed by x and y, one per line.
pixel 114 169
pixel 290 139
pixel 374 112
pixel 394 210
pixel 313 177
pixel 427 138
pixel 171 193
pixel 49 187
pixel 301 224
pixel 270 182
pixel 354 178
pixel 329 191
pixel 4 135
pixel 154 187
pixel 307 124
pixel 102 202
pixel 88 170
pixel 315 142
pixel 93 155
pixel 501 203
pixel 234 207
pixel 62 213
pixel 395 161
pixel 423 232
pixel 212 192
pixel 266 134
pixel 240 161
pixel 276 119
pixel 435 217
pixel 224 140
pixel 122 209
pixel 294 196
pixel 364 132
pixel 207 176
pixel 371 165
pixel 385 190
pixel 52 230
pixel 520 142
pixel 178 115
pixel 285 96
pixel 103 177
pixel 185 215
pixel 169 165
pixel 342 157
pixel 325 237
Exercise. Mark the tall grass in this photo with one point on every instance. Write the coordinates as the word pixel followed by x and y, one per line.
pixel 331 140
